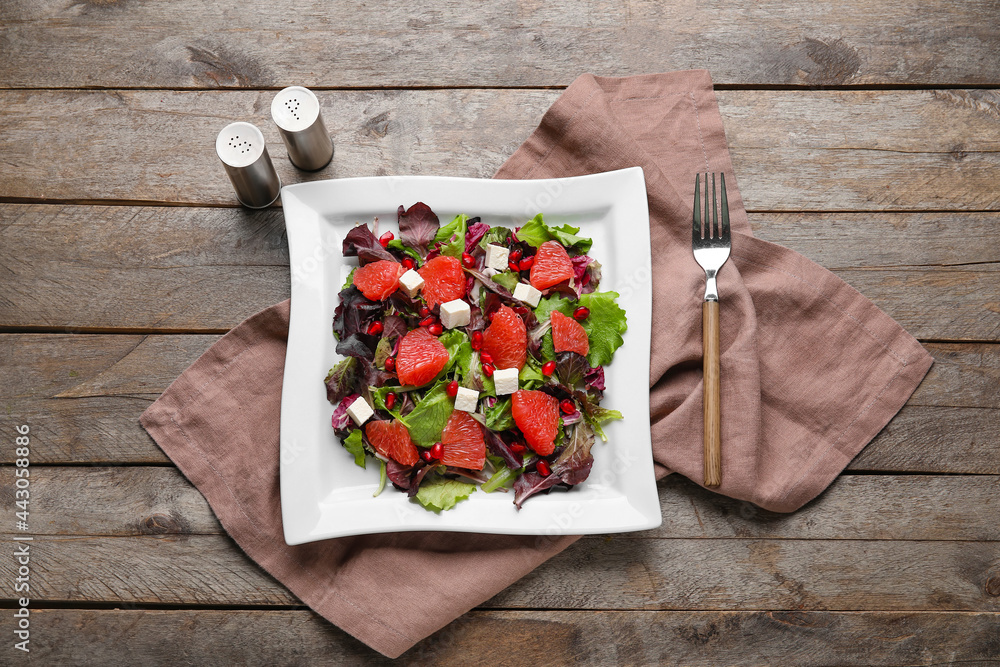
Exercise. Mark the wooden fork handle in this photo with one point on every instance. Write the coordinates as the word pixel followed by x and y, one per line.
pixel 710 342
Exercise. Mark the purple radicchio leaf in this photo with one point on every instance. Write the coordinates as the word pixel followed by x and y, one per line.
pixel 529 483
pixel 594 378
pixel 580 263
pixel 474 233
pixel 341 421
pixel 417 226
pixel 571 367
pixel 354 313
pixel 358 345
pixel 398 474
pixel 360 242
pixel 574 464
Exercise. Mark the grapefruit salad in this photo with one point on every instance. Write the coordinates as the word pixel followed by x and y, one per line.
pixel 473 356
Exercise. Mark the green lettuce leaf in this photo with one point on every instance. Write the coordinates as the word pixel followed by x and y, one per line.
pixel 430 415
pixel 605 326
pixel 396 244
pixel 507 279
pixel 531 376
pixel 452 236
pixel 553 302
pixel 535 232
pixel 442 494
pixel 354 445
pixel 459 350
pixel 497 236
pixel 499 417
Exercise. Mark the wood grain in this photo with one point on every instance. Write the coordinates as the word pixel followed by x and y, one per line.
pixel 122 266
pixel 487 638
pixel 82 396
pixel 792 151
pixel 136 500
pixel 447 43
pixel 619 572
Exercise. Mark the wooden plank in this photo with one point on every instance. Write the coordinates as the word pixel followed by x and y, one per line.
pixel 619 572
pixel 82 396
pixel 122 266
pixel 131 501
pixel 802 150
pixel 253 637
pixel 182 44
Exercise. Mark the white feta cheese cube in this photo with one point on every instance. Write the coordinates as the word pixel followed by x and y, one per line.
pixel 497 257
pixel 455 314
pixel 466 399
pixel 360 411
pixel 411 282
pixel 505 381
pixel 528 294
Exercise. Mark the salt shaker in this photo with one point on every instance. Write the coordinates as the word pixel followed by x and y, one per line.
pixel 295 111
pixel 241 148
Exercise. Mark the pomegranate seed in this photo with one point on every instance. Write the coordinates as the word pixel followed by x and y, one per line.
pixel 423 311
pixel 375 328
pixel 408 263
pixel 513 266
pixel 567 406
pixel 437 451
pixel 385 238
pixel 581 313
pixel 477 340
pixel 543 468
pixel 548 368
pixel 390 364
pixel 436 329
pixel 517 448
pixel 486 357
pixel 488 370
pixel 514 255
pixel 521 310
pixel 467 260
pixel 427 456
pixel 452 388
pixel 390 400
pixel 427 321
pixel 526 263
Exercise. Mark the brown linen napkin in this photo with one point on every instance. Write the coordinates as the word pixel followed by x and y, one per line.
pixel 811 371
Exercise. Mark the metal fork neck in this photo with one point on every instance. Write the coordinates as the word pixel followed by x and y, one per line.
pixel 711 287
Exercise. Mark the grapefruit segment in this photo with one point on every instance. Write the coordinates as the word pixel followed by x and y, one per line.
pixel 444 280
pixel 506 339
pixel 391 439
pixel 462 440
pixel 378 280
pixel 537 415
pixel 552 266
pixel 420 358
pixel 568 335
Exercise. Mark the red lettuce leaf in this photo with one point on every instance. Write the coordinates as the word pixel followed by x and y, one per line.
pixel 530 483
pixel 417 226
pixel 474 233
pixel 360 242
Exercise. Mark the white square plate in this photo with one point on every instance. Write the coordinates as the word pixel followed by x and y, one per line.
pixel 324 494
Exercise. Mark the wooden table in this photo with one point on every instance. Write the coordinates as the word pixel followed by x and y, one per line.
pixel 865 135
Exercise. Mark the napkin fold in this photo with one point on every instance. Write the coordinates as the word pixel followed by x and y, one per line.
pixel 810 372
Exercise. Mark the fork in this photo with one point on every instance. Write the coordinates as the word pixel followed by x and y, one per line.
pixel 711 250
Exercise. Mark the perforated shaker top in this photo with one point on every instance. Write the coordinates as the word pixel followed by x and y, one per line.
pixel 239 144
pixel 294 109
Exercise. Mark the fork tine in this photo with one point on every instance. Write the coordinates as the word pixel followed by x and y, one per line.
pixel 715 207
pixel 725 209
pixel 697 208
